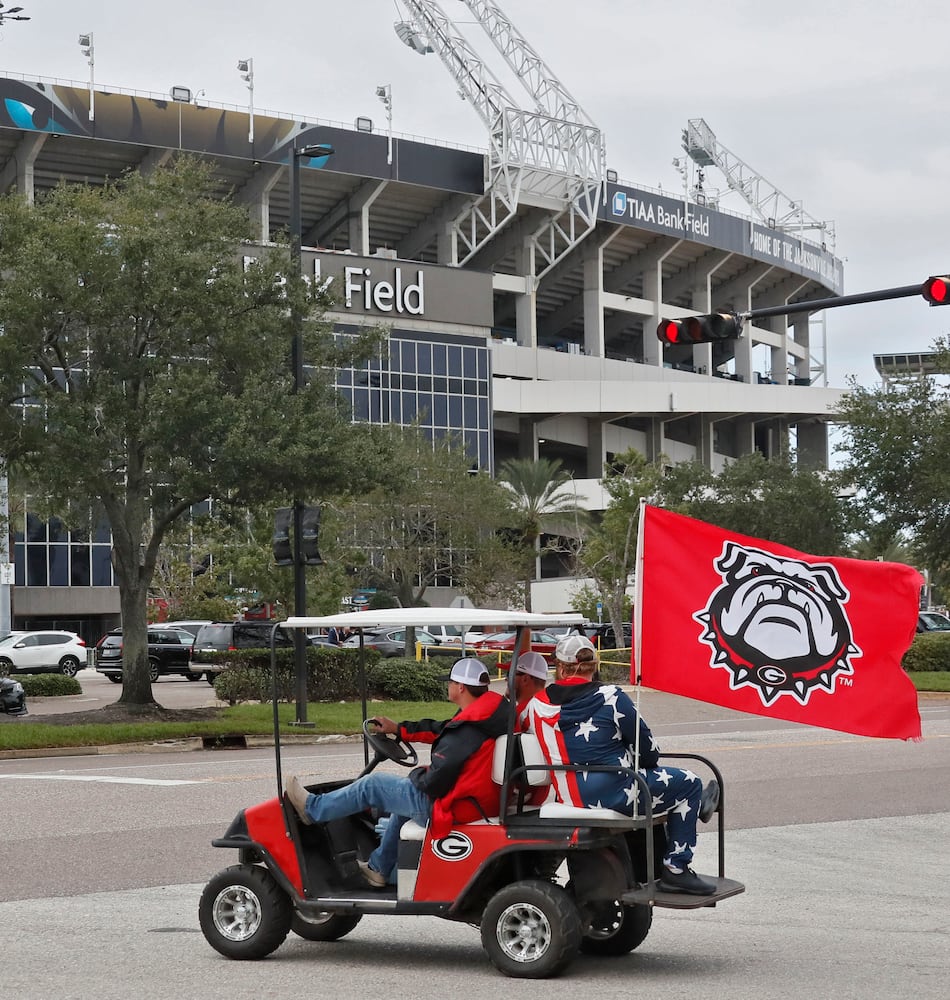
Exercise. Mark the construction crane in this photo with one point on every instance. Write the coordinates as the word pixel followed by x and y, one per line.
pixel 769 204
pixel 551 156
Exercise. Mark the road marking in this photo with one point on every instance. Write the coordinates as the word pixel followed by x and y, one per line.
pixel 102 778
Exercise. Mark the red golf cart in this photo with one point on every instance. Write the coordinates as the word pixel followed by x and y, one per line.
pixel 542 883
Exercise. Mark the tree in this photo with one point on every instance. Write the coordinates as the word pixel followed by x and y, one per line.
pixel 897 443
pixel 610 549
pixel 773 499
pixel 435 520
pixel 543 500
pixel 144 368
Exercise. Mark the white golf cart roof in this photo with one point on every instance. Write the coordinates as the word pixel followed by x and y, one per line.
pixel 468 617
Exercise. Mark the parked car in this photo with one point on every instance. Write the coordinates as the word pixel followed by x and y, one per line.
pixel 42 652
pixel 12 697
pixel 541 642
pixel 932 621
pixel 219 637
pixel 390 641
pixel 169 652
pixel 189 626
pixel 451 634
pixel 603 636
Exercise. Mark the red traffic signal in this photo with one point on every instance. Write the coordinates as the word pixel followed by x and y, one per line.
pixel 937 290
pixel 700 329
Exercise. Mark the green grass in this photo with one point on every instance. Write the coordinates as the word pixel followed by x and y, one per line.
pixel 257 720
pixel 245 720
pixel 931 680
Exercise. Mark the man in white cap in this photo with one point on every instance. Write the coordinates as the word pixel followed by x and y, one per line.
pixel 578 720
pixel 456 787
pixel 531 676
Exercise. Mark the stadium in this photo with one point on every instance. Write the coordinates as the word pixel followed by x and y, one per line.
pixel 523 284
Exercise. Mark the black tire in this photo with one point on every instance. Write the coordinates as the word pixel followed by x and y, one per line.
pixel 243 912
pixel 193 677
pixel 209 677
pixel 70 666
pixel 153 670
pixel 531 929
pixel 5 666
pixel 326 927
pixel 115 678
pixel 617 929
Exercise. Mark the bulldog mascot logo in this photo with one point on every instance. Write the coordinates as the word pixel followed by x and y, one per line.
pixel 778 625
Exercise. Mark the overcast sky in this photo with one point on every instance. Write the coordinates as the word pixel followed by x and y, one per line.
pixel 839 103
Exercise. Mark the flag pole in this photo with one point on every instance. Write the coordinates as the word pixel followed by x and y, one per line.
pixel 637 632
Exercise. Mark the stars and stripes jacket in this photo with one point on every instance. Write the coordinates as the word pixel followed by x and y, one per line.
pixel 586 722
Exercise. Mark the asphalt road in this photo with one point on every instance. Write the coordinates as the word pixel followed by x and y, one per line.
pixel 842 842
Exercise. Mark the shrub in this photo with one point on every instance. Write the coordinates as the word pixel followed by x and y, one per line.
pixel 332 674
pixel 401 679
pixel 48 685
pixel 930 651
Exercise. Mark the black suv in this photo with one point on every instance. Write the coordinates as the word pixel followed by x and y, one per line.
pixel 219 637
pixel 169 651
pixel 603 636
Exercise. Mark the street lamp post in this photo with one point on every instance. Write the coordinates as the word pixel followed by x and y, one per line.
pixel 300 569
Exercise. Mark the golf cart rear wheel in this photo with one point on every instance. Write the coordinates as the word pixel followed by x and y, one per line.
pixel 325 927
pixel 531 929
pixel 616 929
pixel 244 913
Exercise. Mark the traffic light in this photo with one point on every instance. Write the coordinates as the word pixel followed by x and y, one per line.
pixel 283 553
pixel 937 290
pixel 700 329
pixel 310 536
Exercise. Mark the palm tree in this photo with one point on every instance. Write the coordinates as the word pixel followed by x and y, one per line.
pixel 544 501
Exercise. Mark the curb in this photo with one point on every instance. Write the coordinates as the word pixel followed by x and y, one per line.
pixel 235 742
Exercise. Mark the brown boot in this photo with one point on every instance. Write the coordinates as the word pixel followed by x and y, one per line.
pixel 297 797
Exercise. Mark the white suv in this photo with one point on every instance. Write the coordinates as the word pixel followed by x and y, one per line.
pixel 42 652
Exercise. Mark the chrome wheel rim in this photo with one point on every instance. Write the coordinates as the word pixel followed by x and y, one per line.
pixel 523 932
pixel 237 913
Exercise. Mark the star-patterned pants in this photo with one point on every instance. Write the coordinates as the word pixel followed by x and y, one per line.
pixel 676 792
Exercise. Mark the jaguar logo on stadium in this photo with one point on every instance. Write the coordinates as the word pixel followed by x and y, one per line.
pixel 454 847
pixel 778 625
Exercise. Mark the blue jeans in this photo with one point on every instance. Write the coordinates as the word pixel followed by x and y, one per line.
pixel 386 792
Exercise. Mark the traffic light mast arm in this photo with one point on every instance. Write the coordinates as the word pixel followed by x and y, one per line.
pixel 812 305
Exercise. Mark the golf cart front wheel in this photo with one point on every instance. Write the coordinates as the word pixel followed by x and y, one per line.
pixel 244 913
pixel 324 926
pixel 531 929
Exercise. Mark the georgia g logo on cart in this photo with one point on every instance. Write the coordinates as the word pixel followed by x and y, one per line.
pixel 778 625
pixel 454 846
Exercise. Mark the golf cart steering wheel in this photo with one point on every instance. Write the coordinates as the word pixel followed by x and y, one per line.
pixel 389 746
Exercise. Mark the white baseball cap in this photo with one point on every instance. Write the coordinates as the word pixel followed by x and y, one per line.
pixel 468 671
pixel 568 647
pixel 532 664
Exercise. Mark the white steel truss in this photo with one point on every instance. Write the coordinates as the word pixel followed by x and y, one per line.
pixel 772 207
pixel 551 156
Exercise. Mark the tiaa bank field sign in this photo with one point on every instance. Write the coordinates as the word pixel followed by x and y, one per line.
pixel 382 289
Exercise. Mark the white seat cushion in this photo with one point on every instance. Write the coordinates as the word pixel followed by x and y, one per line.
pixel 557 810
pixel 529 749
pixel 412 831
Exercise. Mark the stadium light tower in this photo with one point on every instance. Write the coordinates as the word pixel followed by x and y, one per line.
pixel 89 51
pixel 246 69
pixel 385 94
pixel 13 14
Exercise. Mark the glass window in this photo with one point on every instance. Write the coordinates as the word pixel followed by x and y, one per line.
pixel 101 566
pixel 79 566
pixel 455 360
pixel 35 529
pixel 36 569
pixel 440 411
pixel 408 407
pixel 438 359
pixel 424 359
pixel 455 411
pixel 59 565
